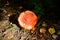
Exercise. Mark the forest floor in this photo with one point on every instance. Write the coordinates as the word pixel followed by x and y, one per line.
pixel 10 30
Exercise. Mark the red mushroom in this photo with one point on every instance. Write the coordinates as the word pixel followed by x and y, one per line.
pixel 27 20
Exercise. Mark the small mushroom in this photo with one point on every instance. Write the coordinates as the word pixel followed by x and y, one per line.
pixel 27 20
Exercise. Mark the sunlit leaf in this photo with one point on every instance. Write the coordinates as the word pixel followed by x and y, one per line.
pixel 44 24
pixel 51 30
pixel 42 30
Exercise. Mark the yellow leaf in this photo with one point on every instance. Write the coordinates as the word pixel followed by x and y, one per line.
pixel 4 10
pixel 51 30
pixel 44 24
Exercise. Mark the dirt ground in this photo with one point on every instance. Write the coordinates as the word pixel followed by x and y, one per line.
pixel 11 31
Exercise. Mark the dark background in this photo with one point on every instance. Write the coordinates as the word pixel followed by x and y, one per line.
pixel 48 9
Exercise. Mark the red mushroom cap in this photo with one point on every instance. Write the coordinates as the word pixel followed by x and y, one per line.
pixel 27 20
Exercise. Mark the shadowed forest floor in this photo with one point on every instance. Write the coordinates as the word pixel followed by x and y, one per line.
pixel 10 29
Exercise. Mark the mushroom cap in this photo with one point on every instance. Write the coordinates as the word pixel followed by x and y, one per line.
pixel 27 20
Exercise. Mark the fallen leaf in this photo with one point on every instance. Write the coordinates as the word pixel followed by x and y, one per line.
pixel 42 30
pixel 51 30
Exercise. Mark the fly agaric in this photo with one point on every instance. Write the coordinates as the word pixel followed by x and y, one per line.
pixel 27 20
